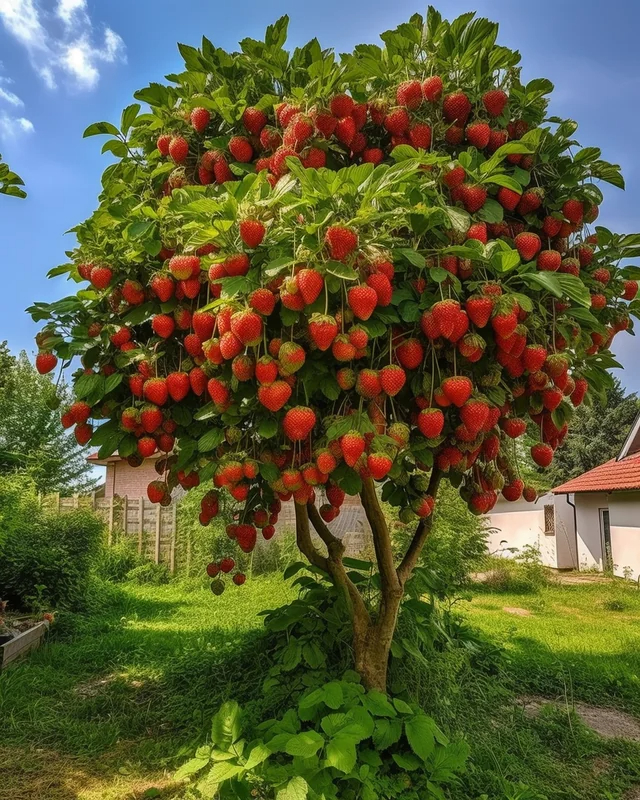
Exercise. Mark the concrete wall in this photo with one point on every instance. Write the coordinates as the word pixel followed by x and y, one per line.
pixel 588 523
pixel 624 517
pixel 516 525
pixel 567 556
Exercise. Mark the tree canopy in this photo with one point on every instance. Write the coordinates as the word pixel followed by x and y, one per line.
pixel 10 182
pixel 31 437
pixel 312 275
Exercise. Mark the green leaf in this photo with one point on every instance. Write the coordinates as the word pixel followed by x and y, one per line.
pixel 408 761
pixel 267 428
pixel 574 289
pixel 341 270
pixel 128 116
pixel 98 128
pixel 333 695
pixel 191 767
pixel 210 440
pixel 505 180
pixel 505 260
pixel 347 479
pixel 225 727
pixel 293 569
pixel 269 472
pixel 420 733
pixel 112 382
pixel 386 733
pixel 412 256
pixel 258 755
pixel 402 707
pixel 341 753
pixel 296 789
pixel 223 771
pixel 378 704
pixel 313 655
pixel 304 744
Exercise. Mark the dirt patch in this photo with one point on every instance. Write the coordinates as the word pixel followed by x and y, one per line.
pixel 607 722
pixel 633 794
pixel 579 579
pixel 518 612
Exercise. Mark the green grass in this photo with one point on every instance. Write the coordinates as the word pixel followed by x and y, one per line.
pixel 138 681
pixel 115 701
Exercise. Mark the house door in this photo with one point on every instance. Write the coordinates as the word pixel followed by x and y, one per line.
pixel 605 536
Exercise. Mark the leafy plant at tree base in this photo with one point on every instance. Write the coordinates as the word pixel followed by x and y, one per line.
pixel 10 182
pixel 311 276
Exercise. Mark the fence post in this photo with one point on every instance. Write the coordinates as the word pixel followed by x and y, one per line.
pixel 174 533
pixel 158 528
pixel 76 500
pixel 141 526
pixel 110 538
pixel 188 552
pixel 125 514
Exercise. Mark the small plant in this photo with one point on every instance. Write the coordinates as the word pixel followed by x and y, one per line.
pixel 156 574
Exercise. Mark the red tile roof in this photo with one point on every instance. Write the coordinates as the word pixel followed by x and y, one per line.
pixel 609 477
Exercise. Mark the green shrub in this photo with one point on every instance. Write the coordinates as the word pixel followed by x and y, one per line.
pixel 115 561
pixel 149 572
pixel 46 559
pixel 523 574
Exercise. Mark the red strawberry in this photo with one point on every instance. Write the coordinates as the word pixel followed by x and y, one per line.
pixel 530 494
pixel 420 135
pixel 397 122
pixel 429 325
pixel 549 260
pixel 585 255
pixel 203 324
pixel 513 427
pixel 101 277
pixel 581 388
pixel 478 134
pixel 252 232
pixel 298 423
pixel 157 491
pixel 368 383
pixel 454 176
pixel 479 310
pixel 263 301
pixel 341 241
pixel 551 399
pixel 528 245
pixel 237 264
pixel 542 454
pixel 247 326
pixel 346 378
pixel 551 226
pixel 472 346
pixel 178 385
pixel 409 94
pixel 474 415
pixel 598 301
pixel 372 155
pixel 155 391
pixel 241 149
pixel 362 300
pixel 430 422
pixel 46 362
pixel 291 357
pixel 473 197
pixel 254 120
pixel 533 357
pixel 197 381
pixel 530 201
pixel 456 107
pixel 513 491
pixel 150 418
pixel 352 446
pixel 601 274
pixel 323 329
pixel 178 149
pixel 243 367
pixel 200 118
pixel 266 370
pixel 497 139
pixel 382 287
pixel 478 231
pixel 341 105
pixel 275 395
pixel 358 337
pixel 494 101
pixel 239 578
pixel 310 284
pixel 504 323
pixel 163 143
pixel 410 353
pixel 445 313
pixel 342 349
pixel 570 266
pixel 379 465
pixel 630 290
pixel 507 198
pixel 392 379
pixel 346 130
pixel 218 391
pixel 573 210
pixel 183 267
pixel 146 446
pixel 432 89
pixel 457 389
pixel 162 286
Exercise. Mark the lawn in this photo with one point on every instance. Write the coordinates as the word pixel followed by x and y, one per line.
pixel 112 705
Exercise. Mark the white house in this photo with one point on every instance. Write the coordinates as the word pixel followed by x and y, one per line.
pixel 589 522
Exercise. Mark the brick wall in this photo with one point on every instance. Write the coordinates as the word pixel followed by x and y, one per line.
pixel 121 479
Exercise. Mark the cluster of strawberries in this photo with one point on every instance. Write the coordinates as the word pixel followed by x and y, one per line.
pixel 217 569
pixel 466 375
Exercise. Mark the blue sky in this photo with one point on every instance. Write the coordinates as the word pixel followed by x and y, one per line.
pixel 67 63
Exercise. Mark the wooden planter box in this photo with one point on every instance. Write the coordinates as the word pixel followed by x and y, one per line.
pixel 23 643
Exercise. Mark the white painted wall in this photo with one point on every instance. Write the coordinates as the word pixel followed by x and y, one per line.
pixel 567 556
pixel 588 523
pixel 516 525
pixel 624 516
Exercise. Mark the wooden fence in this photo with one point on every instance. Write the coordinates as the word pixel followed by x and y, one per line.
pixel 153 526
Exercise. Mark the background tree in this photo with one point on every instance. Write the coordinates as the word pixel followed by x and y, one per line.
pixel 311 276
pixel 10 183
pixel 596 435
pixel 31 437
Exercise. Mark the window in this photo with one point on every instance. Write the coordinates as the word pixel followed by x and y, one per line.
pixel 549 520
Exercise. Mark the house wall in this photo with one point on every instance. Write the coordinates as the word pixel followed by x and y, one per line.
pixel 516 525
pixel 588 523
pixel 624 518
pixel 566 545
pixel 122 479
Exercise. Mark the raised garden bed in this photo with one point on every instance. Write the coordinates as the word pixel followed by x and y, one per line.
pixel 24 638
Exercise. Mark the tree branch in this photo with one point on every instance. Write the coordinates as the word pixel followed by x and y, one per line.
pixel 420 536
pixel 381 537
pixel 304 541
pixel 332 542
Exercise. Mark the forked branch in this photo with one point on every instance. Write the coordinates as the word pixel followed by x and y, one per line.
pixel 420 536
pixel 381 537
pixel 304 541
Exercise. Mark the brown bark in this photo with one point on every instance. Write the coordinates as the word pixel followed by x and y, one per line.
pixel 372 637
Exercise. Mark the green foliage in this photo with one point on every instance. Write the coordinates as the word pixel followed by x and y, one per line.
pixel 45 559
pixel 10 182
pixel 116 560
pixel 155 574
pixel 596 435
pixel 31 437
pixel 523 574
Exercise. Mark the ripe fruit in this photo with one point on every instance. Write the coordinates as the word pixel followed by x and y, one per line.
pixel 247 326
pixel 494 101
pixel 322 330
pixel 392 379
pixel 478 134
pixel 178 149
pixel 474 415
pixel 155 391
pixel 528 245
pixel 479 310
pixel 549 260
pixel 310 284
pixel 432 89
pixel 275 395
pixel 252 232
pixel 410 353
pixel 397 122
pixel 473 197
pixel 542 454
pixel 409 94
pixel 178 385
pixel 241 149
pixel 101 277
pixel 457 389
pixel 200 118
pixel 254 120
pixel 456 107
pixel 379 465
pixel 362 300
pixel 263 301
pixel 352 446
pixel 430 422
pixel 341 241
pixel 298 423
pixel 630 290
pixel 573 210
pixel 46 362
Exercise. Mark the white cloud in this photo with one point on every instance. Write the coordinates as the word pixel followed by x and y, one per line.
pixel 63 43
pixel 7 95
pixel 10 127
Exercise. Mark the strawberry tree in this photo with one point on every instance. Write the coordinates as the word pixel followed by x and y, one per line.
pixel 312 276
